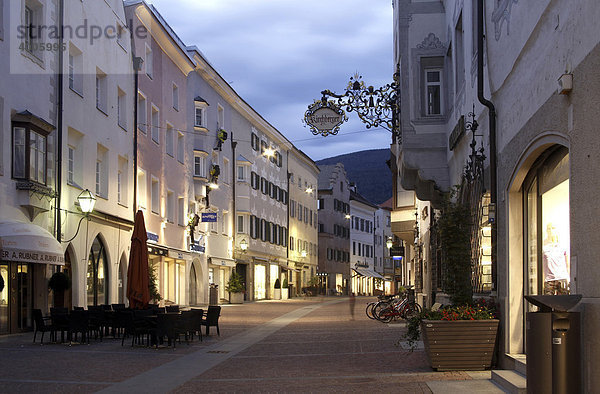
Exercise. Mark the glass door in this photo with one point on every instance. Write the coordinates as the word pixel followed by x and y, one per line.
pixel 4 299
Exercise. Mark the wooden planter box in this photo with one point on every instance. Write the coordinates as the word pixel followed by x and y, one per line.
pixel 460 344
pixel 236 298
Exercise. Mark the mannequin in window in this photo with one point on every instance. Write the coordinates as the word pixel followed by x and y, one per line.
pixel 556 264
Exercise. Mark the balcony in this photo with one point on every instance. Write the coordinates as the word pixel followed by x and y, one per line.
pixel 422 165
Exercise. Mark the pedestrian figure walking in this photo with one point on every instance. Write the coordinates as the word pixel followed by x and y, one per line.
pixel 352 302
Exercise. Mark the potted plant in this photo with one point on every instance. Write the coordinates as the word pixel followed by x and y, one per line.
pixel 277 292
pixel 285 291
pixel 456 337
pixel 235 287
pixel 155 296
pixel 59 282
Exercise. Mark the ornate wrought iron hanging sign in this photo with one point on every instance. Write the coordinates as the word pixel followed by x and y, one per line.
pixel 324 117
pixel 374 107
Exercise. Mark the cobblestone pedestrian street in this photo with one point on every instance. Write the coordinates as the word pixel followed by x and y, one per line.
pixel 297 345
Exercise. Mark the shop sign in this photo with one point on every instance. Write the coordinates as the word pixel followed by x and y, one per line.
pixel 324 117
pixel 457 133
pixel 209 217
pixel 396 251
pixel 152 237
pixel 157 251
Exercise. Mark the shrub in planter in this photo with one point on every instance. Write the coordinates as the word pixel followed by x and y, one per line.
pixel 235 284
pixel 456 337
pixel 59 281
pixel 285 283
pixel 277 284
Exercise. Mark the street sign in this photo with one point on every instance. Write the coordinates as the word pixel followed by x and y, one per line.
pixel 209 217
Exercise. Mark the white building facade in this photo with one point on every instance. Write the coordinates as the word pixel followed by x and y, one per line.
pixel 539 79
pixel 362 244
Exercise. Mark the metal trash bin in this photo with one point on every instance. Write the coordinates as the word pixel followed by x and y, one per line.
pixel 553 345
pixel 213 295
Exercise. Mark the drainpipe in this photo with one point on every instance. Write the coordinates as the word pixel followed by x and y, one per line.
pixel 59 120
pixel 137 65
pixel 492 141
pixel 233 182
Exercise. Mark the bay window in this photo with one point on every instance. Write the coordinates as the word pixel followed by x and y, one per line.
pixel 29 153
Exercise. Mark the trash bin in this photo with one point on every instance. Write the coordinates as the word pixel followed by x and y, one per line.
pixel 213 295
pixel 553 345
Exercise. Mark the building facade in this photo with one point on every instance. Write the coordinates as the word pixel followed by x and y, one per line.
pixel 164 189
pixel 533 99
pixel 334 228
pixel 383 263
pixel 303 246
pixel 28 182
pixel 362 252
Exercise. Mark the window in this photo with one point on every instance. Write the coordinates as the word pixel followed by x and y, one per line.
pixel 122 181
pixel 70 165
pixel 254 180
pixel 225 223
pixel 120 35
pixel 75 70
pixel 142 188
pixel 264 230
pixel 169 140
pixel 180 147
pixel 264 185
pixel 241 173
pixel 29 154
pixel 101 171
pixel 175 97
pixel 320 204
pixel 200 165
pixel 155 197
pixel 101 90
pixel 255 141
pixel 225 172
pixel 149 61
pixel 119 186
pixel 240 224
pixel 221 116
pixel 200 120
pixel 321 228
pixel 33 14
pixel 362 224
pixel 305 215
pixel 354 248
pixel 292 243
pixel 121 108
pixel 142 114
pixel 181 211
pixel 155 125
pixel 170 207
pixel 300 212
pixel 292 209
pixel 433 89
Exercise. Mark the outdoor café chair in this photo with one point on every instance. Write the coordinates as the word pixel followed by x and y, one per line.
pixel 60 321
pixel 79 323
pixel 166 328
pixel 196 322
pixel 42 325
pixel 212 318
pixel 172 308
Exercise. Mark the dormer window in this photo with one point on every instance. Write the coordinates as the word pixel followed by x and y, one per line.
pixel 200 106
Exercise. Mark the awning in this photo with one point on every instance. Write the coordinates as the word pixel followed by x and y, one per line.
pixel 221 261
pixel 367 272
pixel 29 243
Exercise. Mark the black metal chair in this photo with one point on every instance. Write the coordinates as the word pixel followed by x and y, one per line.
pixel 172 308
pixel 212 318
pixel 118 307
pixel 60 321
pixel 79 323
pixel 196 322
pixel 42 324
pixel 97 321
pixel 166 327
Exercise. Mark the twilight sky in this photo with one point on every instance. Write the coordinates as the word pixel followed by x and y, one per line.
pixel 279 55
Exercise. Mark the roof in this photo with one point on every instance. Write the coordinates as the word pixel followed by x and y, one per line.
pixel 328 172
pixel 201 100
pixel 357 197
pixel 242 159
pixel 388 204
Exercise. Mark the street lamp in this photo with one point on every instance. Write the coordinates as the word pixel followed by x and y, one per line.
pixel 309 190
pixel 389 243
pixel 269 152
pixel 303 253
pixel 86 202
pixel 348 216
pixel 243 245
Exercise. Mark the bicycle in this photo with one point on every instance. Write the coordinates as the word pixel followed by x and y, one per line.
pixel 404 309
pixel 381 299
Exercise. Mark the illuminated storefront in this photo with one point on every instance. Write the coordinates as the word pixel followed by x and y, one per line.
pixel 260 282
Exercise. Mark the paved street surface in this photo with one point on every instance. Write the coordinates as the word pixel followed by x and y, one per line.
pixel 298 345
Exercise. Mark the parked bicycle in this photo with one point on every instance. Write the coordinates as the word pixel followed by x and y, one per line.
pixel 398 309
pixel 382 301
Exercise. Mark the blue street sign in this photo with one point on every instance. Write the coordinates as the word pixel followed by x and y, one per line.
pixel 209 217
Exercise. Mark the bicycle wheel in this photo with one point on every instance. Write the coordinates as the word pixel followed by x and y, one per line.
pixel 378 307
pixel 369 310
pixel 411 310
pixel 385 315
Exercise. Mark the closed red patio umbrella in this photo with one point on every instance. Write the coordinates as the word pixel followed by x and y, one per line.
pixel 138 292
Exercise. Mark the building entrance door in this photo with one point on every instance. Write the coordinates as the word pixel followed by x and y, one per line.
pixel 15 297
